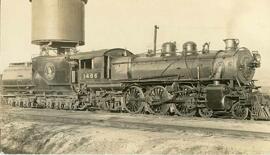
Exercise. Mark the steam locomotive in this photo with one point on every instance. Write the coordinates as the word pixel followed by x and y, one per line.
pixel 188 82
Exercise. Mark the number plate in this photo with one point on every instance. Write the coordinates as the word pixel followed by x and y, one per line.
pixel 91 75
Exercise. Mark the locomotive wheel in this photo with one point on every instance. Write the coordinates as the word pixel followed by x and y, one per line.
pixel 49 104
pixel 11 102
pixel 21 103
pixel 57 104
pixel 205 112
pixel 239 111
pixel 25 103
pixel 62 106
pixel 29 105
pixel 186 109
pixel 82 106
pixel 158 94
pixel 74 105
pixel 187 105
pixel 18 102
pixel 134 99
pixel 68 103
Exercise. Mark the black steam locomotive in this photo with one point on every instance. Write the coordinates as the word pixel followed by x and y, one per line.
pixel 187 83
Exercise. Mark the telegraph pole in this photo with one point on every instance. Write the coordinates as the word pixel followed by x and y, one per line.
pixel 0 64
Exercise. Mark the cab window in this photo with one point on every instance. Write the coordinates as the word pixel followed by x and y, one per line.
pixel 87 64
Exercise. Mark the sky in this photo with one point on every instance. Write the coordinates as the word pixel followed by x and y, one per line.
pixel 129 24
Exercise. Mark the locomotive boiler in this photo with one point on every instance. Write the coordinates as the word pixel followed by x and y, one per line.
pixel 232 63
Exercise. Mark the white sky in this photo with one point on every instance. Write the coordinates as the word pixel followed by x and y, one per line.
pixel 129 24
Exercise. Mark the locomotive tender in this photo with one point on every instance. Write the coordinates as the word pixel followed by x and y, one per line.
pixel 186 82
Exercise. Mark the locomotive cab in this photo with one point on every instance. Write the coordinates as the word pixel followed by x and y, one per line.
pixel 95 67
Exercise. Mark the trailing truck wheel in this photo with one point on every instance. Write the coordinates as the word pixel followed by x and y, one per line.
pixel 133 99
pixel 205 112
pixel 239 111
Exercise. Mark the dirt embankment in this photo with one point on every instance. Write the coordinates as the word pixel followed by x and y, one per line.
pixel 20 136
pixel 33 137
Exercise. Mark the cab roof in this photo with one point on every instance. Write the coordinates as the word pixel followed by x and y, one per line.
pixel 115 52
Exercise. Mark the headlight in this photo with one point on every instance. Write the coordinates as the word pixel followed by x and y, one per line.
pixel 256 56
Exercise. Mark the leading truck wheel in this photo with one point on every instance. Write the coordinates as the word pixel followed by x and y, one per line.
pixel 134 99
pixel 239 111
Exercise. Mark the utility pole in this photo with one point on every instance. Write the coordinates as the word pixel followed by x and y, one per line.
pixel 155 39
pixel 0 31
pixel 0 141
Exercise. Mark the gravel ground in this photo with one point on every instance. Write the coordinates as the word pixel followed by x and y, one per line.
pixel 20 136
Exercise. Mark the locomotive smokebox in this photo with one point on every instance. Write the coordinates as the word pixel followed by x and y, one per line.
pixel 58 23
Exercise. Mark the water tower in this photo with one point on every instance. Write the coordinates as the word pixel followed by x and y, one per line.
pixel 58 25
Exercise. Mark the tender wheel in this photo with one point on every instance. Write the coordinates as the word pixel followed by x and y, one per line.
pixel 134 99
pixel 205 112
pixel 57 104
pixel 239 111
pixel 26 103
pixel 17 102
pixel 21 103
pixel 49 104
pixel 10 101
pixel 62 105
pixel 156 96
pixel 106 106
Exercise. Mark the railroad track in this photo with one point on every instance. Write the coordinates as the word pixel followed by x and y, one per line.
pixel 145 123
